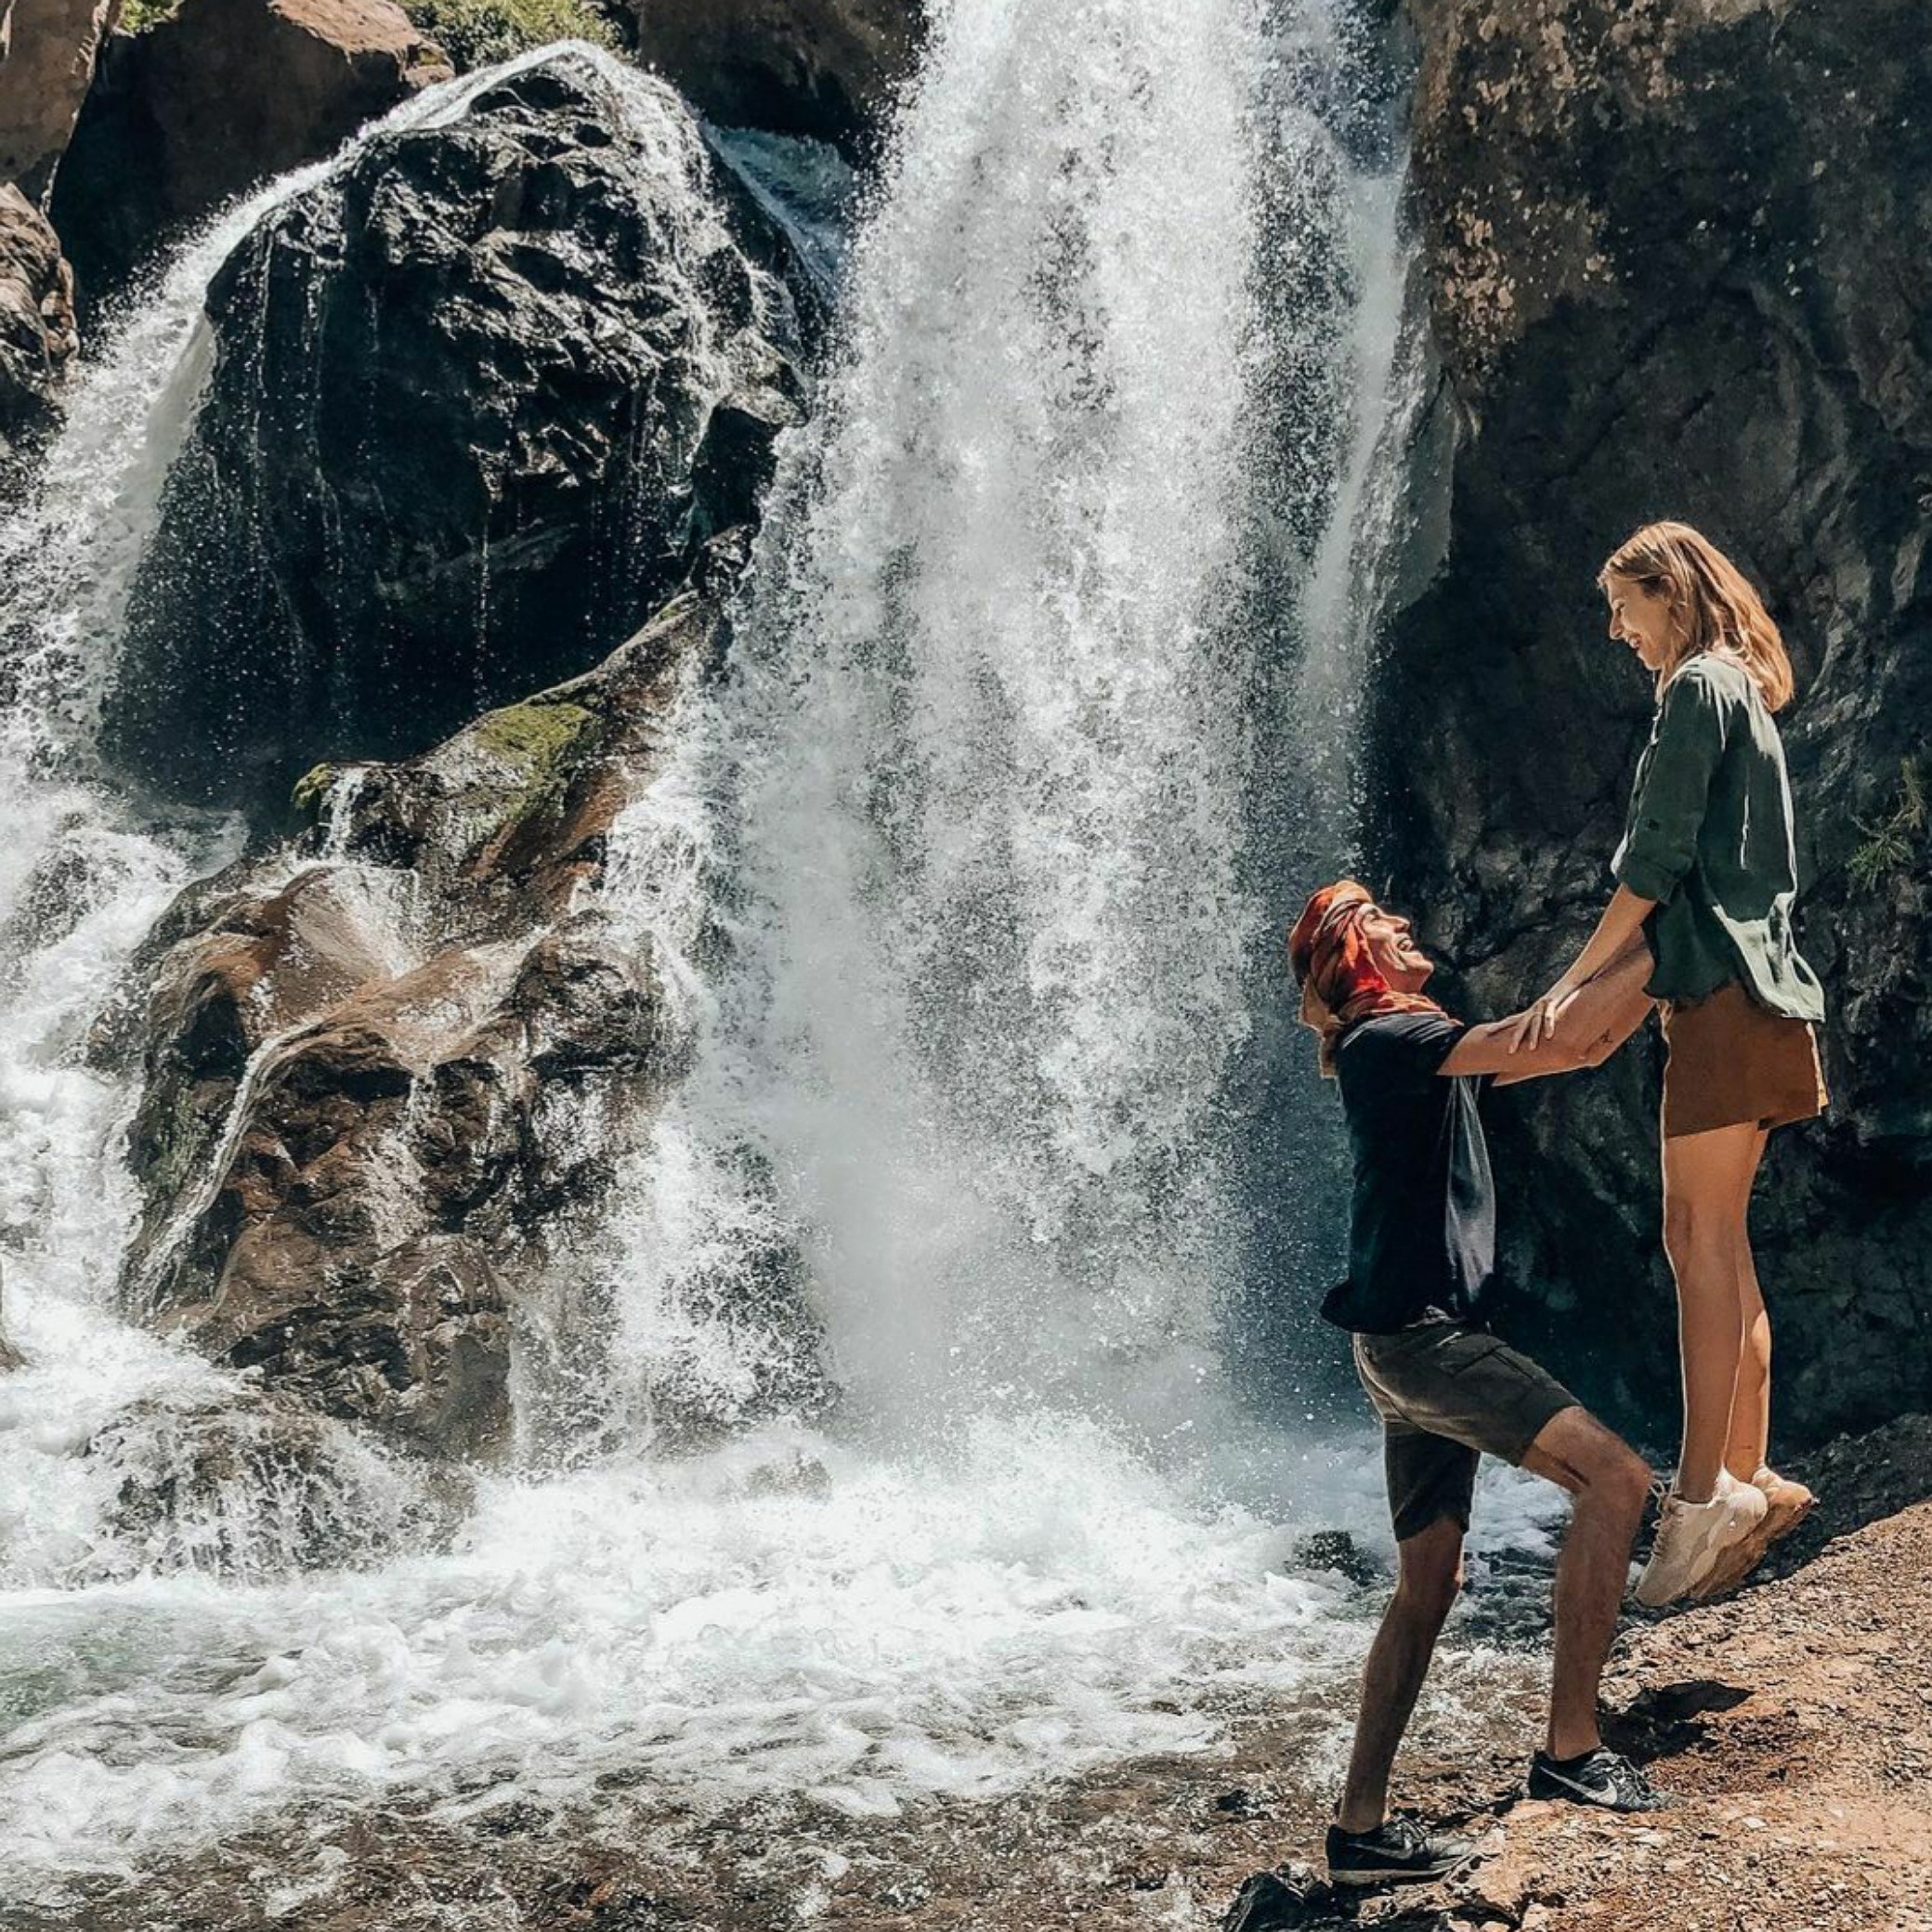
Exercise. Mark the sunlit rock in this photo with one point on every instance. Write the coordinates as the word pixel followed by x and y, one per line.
pixel 384 1074
pixel 50 49
pixel 216 98
pixel 37 339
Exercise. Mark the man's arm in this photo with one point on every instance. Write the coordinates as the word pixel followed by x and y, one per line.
pixel 1620 928
pixel 1599 1019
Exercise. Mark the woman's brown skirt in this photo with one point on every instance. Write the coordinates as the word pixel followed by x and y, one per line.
pixel 1733 1060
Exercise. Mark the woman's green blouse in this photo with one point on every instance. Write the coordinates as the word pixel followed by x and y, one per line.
pixel 1709 838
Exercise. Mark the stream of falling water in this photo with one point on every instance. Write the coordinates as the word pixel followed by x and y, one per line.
pixel 973 823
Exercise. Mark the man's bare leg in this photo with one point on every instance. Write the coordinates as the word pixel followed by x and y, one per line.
pixel 1429 1574
pixel 1610 1482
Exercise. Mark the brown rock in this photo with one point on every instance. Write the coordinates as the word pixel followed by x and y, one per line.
pixel 364 1132
pixel 36 319
pixel 241 90
pixel 220 97
pixel 826 68
pixel 50 50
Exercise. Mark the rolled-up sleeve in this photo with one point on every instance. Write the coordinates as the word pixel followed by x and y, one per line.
pixel 1667 808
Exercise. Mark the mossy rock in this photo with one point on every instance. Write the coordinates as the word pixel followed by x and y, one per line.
pixel 312 790
pixel 543 740
pixel 138 16
pixel 539 733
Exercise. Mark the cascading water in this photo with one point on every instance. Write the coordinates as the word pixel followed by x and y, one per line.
pixel 985 773
pixel 961 890
pixel 984 754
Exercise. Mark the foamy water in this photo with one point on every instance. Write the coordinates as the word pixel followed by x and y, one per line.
pixel 1037 1601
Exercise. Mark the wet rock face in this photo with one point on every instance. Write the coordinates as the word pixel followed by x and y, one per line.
pixel 458 436
pixel 823 68
pixel 253 1485
pixel 1658 286
pixel 386 1072
pixel 47 53
pixel 37 322
pixel 218 97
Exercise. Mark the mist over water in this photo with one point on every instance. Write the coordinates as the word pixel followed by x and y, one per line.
pixel 915 1448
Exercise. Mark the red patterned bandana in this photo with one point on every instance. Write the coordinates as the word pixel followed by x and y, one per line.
pixel 1340 982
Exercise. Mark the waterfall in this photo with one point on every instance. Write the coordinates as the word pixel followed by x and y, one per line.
pixel 965 886
pixel 1008 683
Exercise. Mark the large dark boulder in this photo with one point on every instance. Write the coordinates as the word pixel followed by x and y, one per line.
pixel 387 1074
pixel 476 399
pixel 1667 273
pixel 830 68
pixel 215 99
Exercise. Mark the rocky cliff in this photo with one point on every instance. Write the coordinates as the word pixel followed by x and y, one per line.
pixel 1668 272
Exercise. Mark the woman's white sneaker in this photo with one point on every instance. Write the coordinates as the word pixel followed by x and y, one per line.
pixel 1692 1537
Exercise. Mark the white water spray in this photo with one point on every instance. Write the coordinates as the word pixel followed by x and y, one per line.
pixel 982 782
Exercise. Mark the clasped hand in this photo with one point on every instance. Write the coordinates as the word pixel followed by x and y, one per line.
pixel 1537 1022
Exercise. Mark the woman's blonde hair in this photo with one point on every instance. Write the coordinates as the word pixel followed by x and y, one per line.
pixel 1717 609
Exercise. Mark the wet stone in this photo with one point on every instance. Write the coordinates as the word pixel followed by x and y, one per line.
pixel 1337 1549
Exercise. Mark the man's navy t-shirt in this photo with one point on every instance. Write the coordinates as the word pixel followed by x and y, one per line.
pixel 1422 1230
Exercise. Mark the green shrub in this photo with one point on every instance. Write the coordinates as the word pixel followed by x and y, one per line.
pixel 1891 843
pixel 476 32
pixel 137 16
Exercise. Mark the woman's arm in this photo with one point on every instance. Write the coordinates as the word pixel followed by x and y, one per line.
pixel 1604 1014
pixel 1620 929
pixel 1659 846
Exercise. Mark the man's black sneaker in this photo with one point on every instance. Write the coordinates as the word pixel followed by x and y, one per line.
pixel 1599 1777
pixel 1394 1853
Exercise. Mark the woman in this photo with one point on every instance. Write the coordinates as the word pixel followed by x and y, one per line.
pixel 1707 871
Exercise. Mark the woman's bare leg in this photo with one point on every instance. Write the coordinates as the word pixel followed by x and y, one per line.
pixel 1705 1177
pixel 1748 1449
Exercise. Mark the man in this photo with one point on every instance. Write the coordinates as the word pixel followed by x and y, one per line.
pixel 1422 1251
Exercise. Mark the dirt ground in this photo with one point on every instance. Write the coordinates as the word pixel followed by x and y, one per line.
pixel 1794 1724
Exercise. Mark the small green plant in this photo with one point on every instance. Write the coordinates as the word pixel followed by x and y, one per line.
pixel 1890 843
pixel 137 16
pixel 478 33
pixel 311 791
pixel 472 33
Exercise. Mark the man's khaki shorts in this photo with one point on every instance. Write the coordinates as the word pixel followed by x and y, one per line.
pixel 1449 1394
